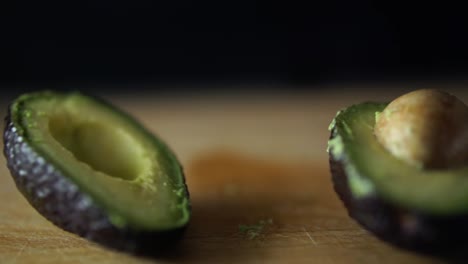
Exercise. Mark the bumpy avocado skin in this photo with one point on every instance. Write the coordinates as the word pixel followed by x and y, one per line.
pixel 402 227
pixel 60 201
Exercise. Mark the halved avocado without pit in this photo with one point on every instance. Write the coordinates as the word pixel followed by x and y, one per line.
pixel 95 171
pixel 410 207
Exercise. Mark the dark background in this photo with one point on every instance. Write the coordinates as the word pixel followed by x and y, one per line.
pixel 147 44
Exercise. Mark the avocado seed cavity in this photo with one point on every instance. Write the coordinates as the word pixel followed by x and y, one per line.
pixel 425 128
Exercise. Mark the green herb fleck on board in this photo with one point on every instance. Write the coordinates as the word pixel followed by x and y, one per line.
pixel 254 231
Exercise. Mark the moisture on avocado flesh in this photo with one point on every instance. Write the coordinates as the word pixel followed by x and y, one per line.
pixel 415 203
pixel 95 171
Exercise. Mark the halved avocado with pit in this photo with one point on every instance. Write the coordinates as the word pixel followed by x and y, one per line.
pixel 403 204
pixel 95 171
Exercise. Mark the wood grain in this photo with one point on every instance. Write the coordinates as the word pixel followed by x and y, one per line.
pixel 248 158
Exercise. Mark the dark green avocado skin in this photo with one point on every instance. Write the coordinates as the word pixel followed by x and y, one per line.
pixel 402 227
pixel 61 202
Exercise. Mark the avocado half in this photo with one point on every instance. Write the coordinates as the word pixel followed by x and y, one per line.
pixel 93 170
pixel 424 210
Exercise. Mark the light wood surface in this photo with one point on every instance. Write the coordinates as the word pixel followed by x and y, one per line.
pixel 248 157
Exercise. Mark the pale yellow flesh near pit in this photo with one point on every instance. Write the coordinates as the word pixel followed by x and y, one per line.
pixel 114 162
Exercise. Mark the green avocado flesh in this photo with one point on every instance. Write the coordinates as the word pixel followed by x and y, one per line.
pixel 371 170
pixel 128 172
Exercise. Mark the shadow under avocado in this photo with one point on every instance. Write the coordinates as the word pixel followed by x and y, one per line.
pixel 233 206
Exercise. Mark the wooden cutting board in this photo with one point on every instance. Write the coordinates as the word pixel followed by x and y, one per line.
pixel 248 158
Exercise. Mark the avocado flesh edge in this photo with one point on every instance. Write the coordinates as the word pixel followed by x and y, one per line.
pixel 436 192
pixel 156 199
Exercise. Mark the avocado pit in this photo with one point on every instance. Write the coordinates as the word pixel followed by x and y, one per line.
pixel 425 128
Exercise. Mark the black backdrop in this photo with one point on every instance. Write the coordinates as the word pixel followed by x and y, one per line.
pixel 178 42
